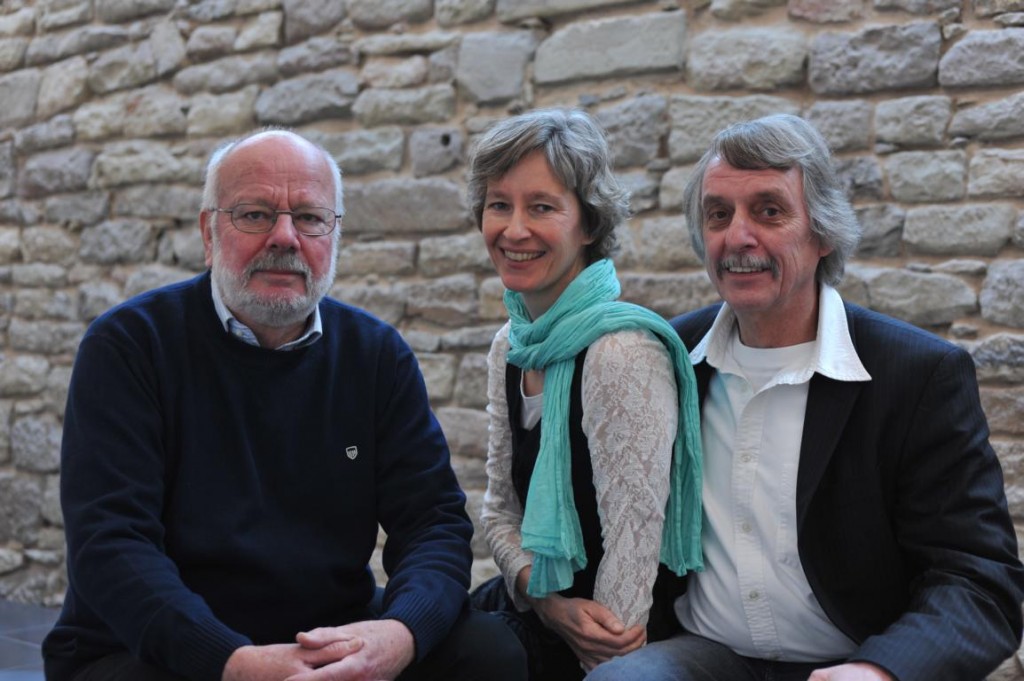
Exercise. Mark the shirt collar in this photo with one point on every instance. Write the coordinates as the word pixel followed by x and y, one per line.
pixel 834 354
pixel 231 324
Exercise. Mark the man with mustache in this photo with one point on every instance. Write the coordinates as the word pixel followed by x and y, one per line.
pixel 856 527
pixel 232 444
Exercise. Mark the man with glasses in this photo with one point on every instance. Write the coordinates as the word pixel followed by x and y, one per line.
pixel 231 444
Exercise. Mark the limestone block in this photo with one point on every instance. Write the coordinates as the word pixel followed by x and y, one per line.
pixel 19 506
pixel 132 162
pixel 448 301
pixel 35 443
pixel 150 277
pixel 59 131
pixel 307 98
pixel 1003 407
pixel 182 248
pixel 997 173
pixel 50 507
pixel 406 43
pixel 826 11
pixel 208 11
pixel 979 229
pixel 883 230
pixel 121 68
pixel 510 11
pixel 845 125
pixel 1002 295
pixel 613 47
pixel 441 65
pixel 984 58
pixel 116 11
pixel 305 18
pixel 159 201
pixel 471 338
pixel 365 151
pixel 99 120
pixel 43 243
pixel 465 430
pixel 18 92
pixel 999 357
pixel 390 72
pixel 168 47
pixel 56 395
pixel 260 32
pixel 230 113
pixel 635 129
pixel 470 473
pixel 1018 233
pixel 10 560
pixel 748 58
pixel 96 297
pixel 402 205
pixel 12 53
pixel 471 381
pixel 460 253
pixel 642 188
pixel 492 66
pixel 668 294
pixel 385 258
pixel 663 244
pixel 875 59
pixel 435 150
pixel 474 505
pixel 155 111
pixel 913 121
pixel 21 376
pixel 375 14
pixel 19 22
pixel 924 176
pixel 39 274
pixel 438 374
pixel 10 245
pixel 430 104
pixel 76 210
pixel 920 298
pixel 56 172
pixel 207 42
pixel 454 12
pixel 386 301
pixel 315 54
pixel 45 336
pixel 673 182
pixel 696 120
pixel 861 176
pixel 36 303
pixel 118 241
pixel 1000 119
pixel 7 168
pixel 988 8
pixel 492 304
pixel 229 73
pixel 918 6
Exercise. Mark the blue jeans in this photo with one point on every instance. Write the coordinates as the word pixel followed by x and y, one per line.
pixel 688 657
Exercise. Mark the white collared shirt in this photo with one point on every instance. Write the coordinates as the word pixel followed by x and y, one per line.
pixel 753 595
pixel 231 324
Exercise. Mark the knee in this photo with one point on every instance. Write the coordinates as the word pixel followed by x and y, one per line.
pixel 629 668
pixel 490 650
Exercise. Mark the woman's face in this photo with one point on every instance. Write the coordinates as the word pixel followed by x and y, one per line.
pixel 533 231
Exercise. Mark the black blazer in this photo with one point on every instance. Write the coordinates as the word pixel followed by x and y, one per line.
pixel 902 523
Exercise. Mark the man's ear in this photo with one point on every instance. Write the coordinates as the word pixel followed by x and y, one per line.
pixel 206 228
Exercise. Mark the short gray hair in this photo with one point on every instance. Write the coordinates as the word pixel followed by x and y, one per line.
pixel 782 142
pixel 211 184
pixel 576 150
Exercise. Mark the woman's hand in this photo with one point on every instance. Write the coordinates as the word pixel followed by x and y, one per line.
pixel 591 630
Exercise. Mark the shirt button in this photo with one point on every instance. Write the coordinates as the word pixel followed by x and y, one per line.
pixel 754 595
pixel 746 458
pixel 745 527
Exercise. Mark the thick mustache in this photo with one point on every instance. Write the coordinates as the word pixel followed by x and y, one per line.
pixel 746 262
pixel 278 261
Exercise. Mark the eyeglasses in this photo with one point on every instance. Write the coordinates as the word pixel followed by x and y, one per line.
pixel 252 218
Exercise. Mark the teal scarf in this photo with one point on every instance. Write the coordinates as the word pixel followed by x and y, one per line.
pixel 587 310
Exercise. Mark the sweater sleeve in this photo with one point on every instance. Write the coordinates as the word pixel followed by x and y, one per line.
pixel 502 515
pixel 630 418
pixel 420 506
pixel 112 494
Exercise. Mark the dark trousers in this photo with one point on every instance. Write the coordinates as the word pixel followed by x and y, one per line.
pixel 478 648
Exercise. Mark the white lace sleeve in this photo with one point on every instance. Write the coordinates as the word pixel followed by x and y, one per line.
pixel 630 412
pixel 502 515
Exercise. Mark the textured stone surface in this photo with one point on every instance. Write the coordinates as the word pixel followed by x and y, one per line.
pixel 435 150
pixel 695 120
pixel 979 229
pixel 431 104
pixel 750 58
pixel 492 66
pixel 913 121
pixel 635 128
pixel 984 58
pixel 1002 296
pixel 921 298
pixel 308 98
pixel 997 173
pixel 845 125
pixel 417 206
pixel 920 176
pixel 874 59
pixel 995 120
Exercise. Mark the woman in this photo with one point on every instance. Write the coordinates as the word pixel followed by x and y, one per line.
pixel 577 512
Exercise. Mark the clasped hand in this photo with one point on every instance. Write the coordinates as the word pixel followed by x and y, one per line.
pixel 590 629
pixel 362 651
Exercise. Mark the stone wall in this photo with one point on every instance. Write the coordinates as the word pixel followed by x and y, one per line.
pixel 110 108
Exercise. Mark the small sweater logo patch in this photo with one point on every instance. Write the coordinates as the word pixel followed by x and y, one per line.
pixel 352 452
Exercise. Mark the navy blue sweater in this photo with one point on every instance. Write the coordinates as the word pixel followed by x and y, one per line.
pixel 217 494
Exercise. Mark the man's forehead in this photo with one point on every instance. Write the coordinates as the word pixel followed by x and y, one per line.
pixel 722 179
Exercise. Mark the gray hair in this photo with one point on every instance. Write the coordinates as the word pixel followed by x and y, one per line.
pixel 782 142
pixel 576 150
pixel 211 185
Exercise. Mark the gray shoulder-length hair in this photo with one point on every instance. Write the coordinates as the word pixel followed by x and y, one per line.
pixel 782 142
pixel 576 150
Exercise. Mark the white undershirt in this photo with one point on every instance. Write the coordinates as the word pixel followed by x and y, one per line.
pixel 753 595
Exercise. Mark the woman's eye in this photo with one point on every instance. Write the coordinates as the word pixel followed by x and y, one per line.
pixel 497 205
